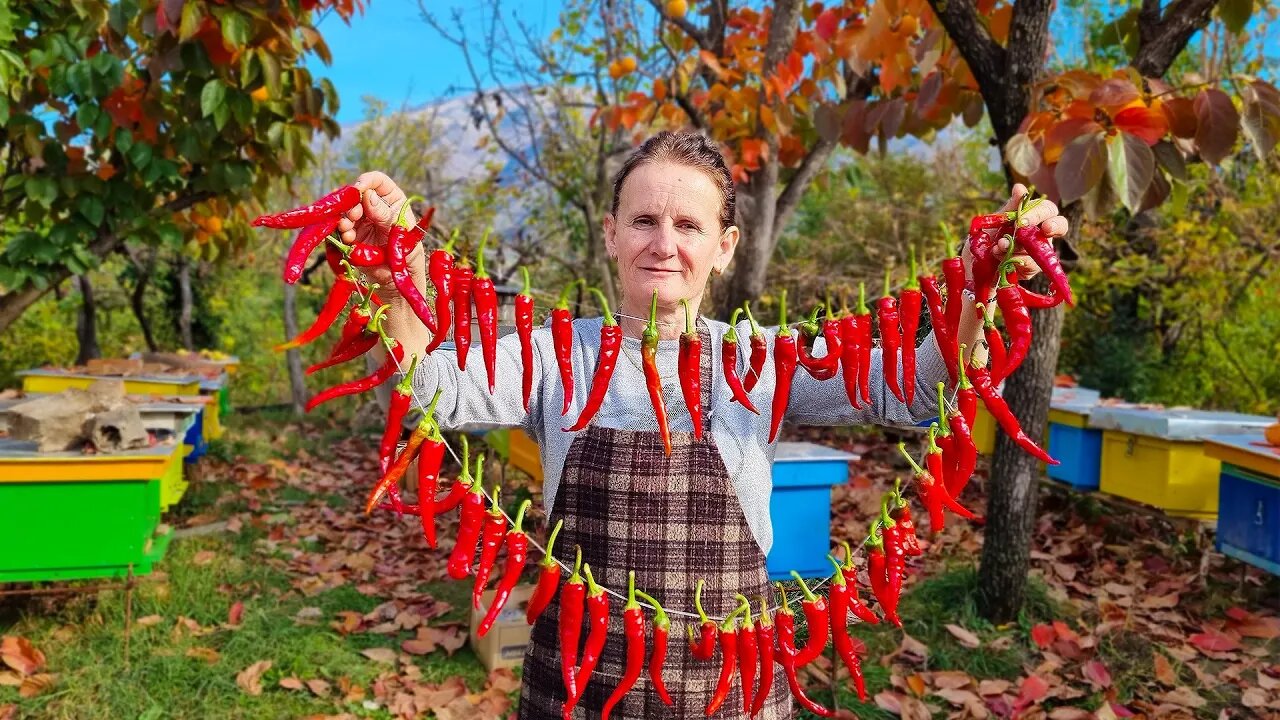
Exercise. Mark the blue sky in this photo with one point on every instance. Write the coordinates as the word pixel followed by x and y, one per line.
pixel 392 53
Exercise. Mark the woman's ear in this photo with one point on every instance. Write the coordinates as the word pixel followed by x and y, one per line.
pixel 728 244
pixel 610 241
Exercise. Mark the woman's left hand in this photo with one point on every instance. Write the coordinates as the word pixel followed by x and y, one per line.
pixel 1045 214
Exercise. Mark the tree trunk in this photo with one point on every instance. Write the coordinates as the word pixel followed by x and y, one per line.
pixel 87 323
pixel 184 315
pixel 138 305
pixel 293 358
pixel 1015 475
pixel 745 279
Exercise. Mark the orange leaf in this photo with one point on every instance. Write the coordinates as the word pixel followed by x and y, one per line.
pixel 660 89
pixel 1043 635
pixel 1062 134
pixel 1113 94
pixel 1163 670
pixel 1146 123
pixel 1033 690
pixel 710 60
pixel 19 654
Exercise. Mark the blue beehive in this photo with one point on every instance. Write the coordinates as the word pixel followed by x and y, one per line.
pixel 195 438
pixel 1249 518
pixel 1076 446
pixel 800 507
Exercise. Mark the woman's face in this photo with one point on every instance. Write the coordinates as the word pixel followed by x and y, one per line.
pixel 666 235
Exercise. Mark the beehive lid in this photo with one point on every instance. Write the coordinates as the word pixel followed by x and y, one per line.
pixel 1078 400
pixel 811 452
pixel 1174 424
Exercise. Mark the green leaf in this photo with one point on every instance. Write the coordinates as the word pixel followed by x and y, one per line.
pixel 236 29
pixel 91 207
pixel 1130 166
pixel 192 16
pixel 139 154
pixel 4 110
pixel 270 71
pixel 42 189
pixel 169 235
pixel 87 115
pixel 212 96
pixel 221 112
pixel 124 140
pixel 1235 14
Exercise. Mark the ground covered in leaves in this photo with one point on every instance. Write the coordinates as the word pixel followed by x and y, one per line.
pixel 282 599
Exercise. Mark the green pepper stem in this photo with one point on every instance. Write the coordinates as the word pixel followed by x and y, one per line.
pixel 874 539
pixel 688 318
pixel 732 334
pixel 604 307
pixel 697 600
pixel 885 518
pixel 484 240
pixel 948 239
pixel 495 508
pixel 942 409
pixel 477 485
pixel 660 618
pixel 783 330
pixel 838 578
pixel 808 595
pixel 466 459
pixel 745 604
pixel 631 591
pixel 593 588
pixel 786 602
pixel 651 330
pixel 862 300
pixel 404 209
pixel 575 576
pixel 527 288
pixel 755 329
pixel 902 448
pixel 448 246
pixel 964 379
pixel 888 278
pixel 933 435
pixel 764 613
pixel 730 620
pixel 547 559
pixel 405 386
pixel 563 301
pixel 517 526
pixel 897 492
pixel 848 554
pixel 912 282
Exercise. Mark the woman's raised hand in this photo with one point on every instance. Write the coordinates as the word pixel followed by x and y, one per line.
pixel 1044 213
pixel 380 202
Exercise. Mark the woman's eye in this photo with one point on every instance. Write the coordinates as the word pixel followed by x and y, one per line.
pixel 691 227
pixel 642 222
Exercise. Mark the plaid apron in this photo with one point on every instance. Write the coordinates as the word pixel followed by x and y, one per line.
pixel 673 520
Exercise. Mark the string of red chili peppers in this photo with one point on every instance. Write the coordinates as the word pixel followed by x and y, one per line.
pixel 892 536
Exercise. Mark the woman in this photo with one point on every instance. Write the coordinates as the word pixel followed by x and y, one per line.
pixel 702 511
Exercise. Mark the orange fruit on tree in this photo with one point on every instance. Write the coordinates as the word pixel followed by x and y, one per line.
pixel 213 224
pixel 628 65
pixel 1272 434
pixel 676 8
pixel 615 70
pixel 260 94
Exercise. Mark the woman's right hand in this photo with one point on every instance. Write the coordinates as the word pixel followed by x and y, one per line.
pixel 370 222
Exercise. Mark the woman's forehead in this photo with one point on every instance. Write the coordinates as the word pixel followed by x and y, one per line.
pixel 666 185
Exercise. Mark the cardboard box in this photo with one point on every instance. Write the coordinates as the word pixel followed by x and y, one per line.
pixel 504 645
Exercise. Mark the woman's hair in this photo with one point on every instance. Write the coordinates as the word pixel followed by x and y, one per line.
pixel 685 148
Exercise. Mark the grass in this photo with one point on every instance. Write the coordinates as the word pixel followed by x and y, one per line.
pixel 170 671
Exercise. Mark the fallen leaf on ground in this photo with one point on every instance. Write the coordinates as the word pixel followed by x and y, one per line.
pixel 10 679
pixel 1184 696
pixel 318 687
pixel 965 637
pixel 993 687
pixel 1032 691
pixel 910 650
pixel 951 679
pixel 1043 635
pixel 204 557
pixel 1163 669
pixel 348 622
pixel 19 654
pixel 1253 698
pixel 308 616
pixel 1097 674
pixel 8 712
pixel 291 683
pixel 504 680
pixel 1069 713
pixel 206 654
pixel 148 620
pixel 382 655
pixel 36 685
pixel 1213 641
pixel 250 679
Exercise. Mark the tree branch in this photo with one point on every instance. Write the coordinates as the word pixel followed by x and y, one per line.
pixel 789 199
pixel 685 26
pixel 960 19
pixel 1159 46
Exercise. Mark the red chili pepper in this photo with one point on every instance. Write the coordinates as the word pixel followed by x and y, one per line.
pixel 334 304
pixel 548 578
pixel 597 633
pixel 633 631
pixel 461 276
pixel 306 243
pixel 946 442
pixel 839 593
pixel 850 355
pixel 953 274
pixel 705 646
pixel 473 512
pixel 401 397
pixel 429 459
pixel 895 555
pixel 862 321
pixel 728 659
pixel 996 353
pixel 877 567
pixel 747 655
pixel 986 265
pixel 1004 416
pixel 1036 301
pixel 931 491
pixel 690 371
pixel 606 362
pixel 649 358
pixel 427 429
pixel 787 657
pixel 938 320
pixel 729 361
pixel 661 633
pixel 759 352
pixel 460 489
pixel 486 299
pixel 440 270
pixel 966 396
pixel 764 636
pixel 395 353
pixel 1017 323
pixel 562 341
pixel 398 248
pixel 493 531
pixel 524 330
pixel 992 221
pixel 329 207
pixel 365 255
pixel 825 367
pixel 785 357
pixel 890 337
pixel 572 604
pixel 357 337
pixel 1040 247
pixel 909 311
pixel 815 614
pixel 850 571
pixel 901 513
pixel 517 554
pixel 966 451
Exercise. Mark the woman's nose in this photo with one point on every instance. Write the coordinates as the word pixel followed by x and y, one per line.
pixel 663 241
